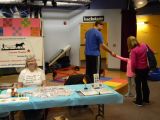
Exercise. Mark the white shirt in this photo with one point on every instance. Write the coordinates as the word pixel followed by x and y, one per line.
pixel 29 78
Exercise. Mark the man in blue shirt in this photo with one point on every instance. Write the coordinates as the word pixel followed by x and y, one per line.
pixel 94 41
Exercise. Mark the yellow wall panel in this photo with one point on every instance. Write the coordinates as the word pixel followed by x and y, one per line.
pixel 150 33
pixel 82 55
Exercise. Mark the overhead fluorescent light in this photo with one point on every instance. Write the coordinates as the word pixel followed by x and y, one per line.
pixel 38 3
pixel 74 1
pixel 65 4
pixel 10 1
pixel 49 3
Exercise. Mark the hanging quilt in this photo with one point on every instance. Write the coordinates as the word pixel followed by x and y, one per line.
pixel 20 27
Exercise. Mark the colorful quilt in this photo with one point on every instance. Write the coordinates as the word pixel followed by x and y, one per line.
pixel 20 27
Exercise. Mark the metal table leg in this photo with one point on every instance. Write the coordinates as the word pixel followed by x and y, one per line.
pixel 12 115
pixel 100 115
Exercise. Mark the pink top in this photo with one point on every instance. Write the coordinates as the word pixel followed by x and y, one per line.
pixel 129 72
pixel 139 57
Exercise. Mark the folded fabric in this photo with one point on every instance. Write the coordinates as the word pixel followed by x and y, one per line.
pixel 112 84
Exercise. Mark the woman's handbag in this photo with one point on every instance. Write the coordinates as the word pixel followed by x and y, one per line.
pixel 151 59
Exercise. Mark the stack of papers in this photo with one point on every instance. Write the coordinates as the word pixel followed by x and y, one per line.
pixel 89 92
pixel 96 91
pixel 104 91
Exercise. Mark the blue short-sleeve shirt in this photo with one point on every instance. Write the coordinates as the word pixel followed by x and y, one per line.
pixel 93 40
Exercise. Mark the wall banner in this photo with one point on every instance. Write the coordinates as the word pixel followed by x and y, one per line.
pixel 13 50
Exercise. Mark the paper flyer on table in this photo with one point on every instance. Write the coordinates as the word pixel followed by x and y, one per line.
pixel 16 99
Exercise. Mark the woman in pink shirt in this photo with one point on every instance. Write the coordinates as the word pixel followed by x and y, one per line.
pixel 140 67
pixel 129 74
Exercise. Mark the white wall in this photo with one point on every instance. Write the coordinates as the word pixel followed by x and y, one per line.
pixel 57 35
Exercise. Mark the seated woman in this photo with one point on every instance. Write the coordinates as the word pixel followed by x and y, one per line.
pixel 32 76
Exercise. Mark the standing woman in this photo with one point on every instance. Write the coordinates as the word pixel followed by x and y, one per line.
pixel 32 76
pixel 140 67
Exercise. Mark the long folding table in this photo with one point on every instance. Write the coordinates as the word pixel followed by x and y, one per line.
pixel 72 100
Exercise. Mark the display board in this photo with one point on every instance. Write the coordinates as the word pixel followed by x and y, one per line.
pixel 20 37
pixel 13 50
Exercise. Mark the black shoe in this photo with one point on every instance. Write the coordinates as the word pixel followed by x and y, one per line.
pixel 139 105
pixel 146 102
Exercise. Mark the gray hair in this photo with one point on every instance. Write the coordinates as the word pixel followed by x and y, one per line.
pixel 29 57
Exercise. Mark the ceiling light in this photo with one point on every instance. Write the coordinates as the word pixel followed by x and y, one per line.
pixel 49 3
pixel 38 3
pixel 68 4
pixel 142 23
pixel 140 3
pixel 10 1
pixel 74 1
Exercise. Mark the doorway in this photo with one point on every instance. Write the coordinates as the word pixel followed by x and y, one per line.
pixel 84 27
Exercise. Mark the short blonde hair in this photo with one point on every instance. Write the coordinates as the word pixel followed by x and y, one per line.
pixel 131 42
